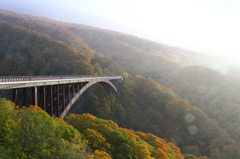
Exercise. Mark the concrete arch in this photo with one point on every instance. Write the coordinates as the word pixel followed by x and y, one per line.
pixel 80 92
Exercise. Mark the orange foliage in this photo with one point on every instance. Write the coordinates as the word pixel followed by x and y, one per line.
pixel 35 108
pixel 162 154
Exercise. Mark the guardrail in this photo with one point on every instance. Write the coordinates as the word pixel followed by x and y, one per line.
pixel 37 78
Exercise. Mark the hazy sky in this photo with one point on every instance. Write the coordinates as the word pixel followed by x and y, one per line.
pixel 211 26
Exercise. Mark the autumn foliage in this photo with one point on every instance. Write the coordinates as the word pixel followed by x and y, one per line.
pixel 106 138
pixel 194 107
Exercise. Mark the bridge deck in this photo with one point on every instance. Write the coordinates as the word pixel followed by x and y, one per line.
pixel 20 83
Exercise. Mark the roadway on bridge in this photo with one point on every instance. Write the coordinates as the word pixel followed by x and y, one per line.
pixel 53 81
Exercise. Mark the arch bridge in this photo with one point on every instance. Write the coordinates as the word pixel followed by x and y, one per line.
pixel 54 94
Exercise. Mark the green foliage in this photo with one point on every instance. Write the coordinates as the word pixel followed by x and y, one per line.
pixel 4 153
pixel 194 150
pixel 32 133
pixel 8 127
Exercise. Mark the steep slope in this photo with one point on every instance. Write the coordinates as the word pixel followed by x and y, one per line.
pixel 59 32
pixel 39 46
pixel 144 105
pixel 215 93
pixel 138 56
pixel 50 28
pixel 32 133
pixel 134 59
pixel 25 52
pixel 113 41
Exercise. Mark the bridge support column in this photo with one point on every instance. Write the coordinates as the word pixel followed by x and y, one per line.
pixel 42 100
pixel 78 87
pixel 68 89
pixel 63 96
pixel 15 95
pixel 34 96
pixel 58 101
pixel 24 96
pixel 51 100
pixel 73 90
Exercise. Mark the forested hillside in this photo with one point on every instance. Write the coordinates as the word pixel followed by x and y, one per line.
pixel 194 107
pixel 215 93
pixel 24 50
pixel 32 133
pixel 106 136
pixel 145 105
pixel 124 47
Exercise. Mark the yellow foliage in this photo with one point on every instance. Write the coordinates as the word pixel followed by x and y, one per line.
pixel 113 124
pixel 77 120
pixel 144 151
pixel 96 139
pixel 93 126
pixel 9 102
pixel 101 155
pixel 60 121
pixel 104 136
pixel 176 150
pixel 131 134
pixel 142 135
pixel 82 118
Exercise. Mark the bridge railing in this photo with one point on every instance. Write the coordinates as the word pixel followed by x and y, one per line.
pixel 37 78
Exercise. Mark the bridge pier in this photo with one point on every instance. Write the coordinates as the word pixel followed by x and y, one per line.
pixel 63 96
pixel 58 99
pixel 50 106
pixel 34 95
pixel 42 99
pixel 51 98
pixel 15 95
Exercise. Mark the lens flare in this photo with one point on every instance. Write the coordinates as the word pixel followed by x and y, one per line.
pixel 192 129
pixel 189 118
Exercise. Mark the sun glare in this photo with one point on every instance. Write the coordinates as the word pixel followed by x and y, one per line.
pixel 209 25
